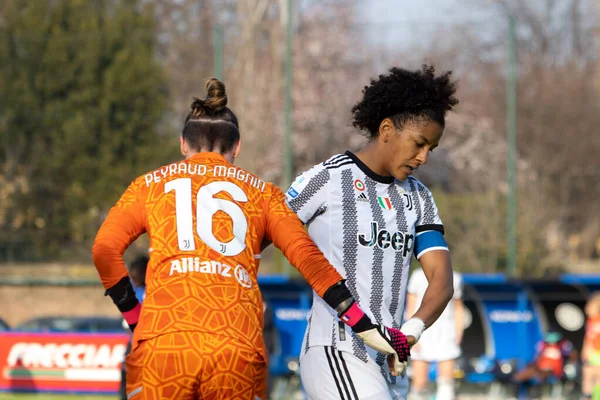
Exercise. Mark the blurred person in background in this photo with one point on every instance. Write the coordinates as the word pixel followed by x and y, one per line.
pixel 201 327
pixel 590 354
pixel 440 343
pixel 553 351
pixel 370 217
pixel 137 275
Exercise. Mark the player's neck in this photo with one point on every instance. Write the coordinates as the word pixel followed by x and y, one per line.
pixel 371 157
pixel 228 156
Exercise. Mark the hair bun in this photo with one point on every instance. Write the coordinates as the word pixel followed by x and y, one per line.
pixel 216 99
pixel 198 108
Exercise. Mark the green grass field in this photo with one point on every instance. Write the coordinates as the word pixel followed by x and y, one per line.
pixel 43 396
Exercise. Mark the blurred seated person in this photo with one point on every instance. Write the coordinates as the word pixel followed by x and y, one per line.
pixel 552 353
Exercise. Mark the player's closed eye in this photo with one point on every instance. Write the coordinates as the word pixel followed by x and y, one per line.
pixel 421 145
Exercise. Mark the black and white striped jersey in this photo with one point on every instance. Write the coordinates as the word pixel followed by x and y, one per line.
pixel 368 226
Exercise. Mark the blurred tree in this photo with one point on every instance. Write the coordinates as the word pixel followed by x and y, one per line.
pixel 558 66
pixel 557 102
pixel 80 111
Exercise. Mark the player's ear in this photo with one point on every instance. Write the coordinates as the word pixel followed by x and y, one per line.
pixel 183 146
pixel 238 148
pixel 386 130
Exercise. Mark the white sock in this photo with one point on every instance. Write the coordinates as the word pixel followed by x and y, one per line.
pixel 416 394
pixel 445 389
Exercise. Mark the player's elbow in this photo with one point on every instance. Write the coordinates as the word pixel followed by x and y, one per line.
pixel 447 293
pixel 100 250
pixel 444 287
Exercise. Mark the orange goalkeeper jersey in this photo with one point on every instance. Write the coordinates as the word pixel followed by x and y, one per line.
pixel 206 220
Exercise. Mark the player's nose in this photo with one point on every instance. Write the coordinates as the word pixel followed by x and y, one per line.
pixel 423 156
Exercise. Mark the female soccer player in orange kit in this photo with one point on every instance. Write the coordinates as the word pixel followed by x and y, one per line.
pixel 199 334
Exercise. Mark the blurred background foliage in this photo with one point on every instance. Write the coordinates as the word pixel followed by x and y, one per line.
pixel 94 94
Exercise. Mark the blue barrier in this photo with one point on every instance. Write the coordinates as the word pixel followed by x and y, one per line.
pixel 507 317
pixel 290 301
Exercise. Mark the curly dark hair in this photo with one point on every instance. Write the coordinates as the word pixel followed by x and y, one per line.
pixel 403 96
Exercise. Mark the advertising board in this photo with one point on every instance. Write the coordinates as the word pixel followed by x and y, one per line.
pixel 61 362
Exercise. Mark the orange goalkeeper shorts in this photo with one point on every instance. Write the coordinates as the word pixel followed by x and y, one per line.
pixel 195 365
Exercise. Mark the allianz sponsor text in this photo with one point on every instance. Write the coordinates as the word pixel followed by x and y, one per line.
pixel 194 265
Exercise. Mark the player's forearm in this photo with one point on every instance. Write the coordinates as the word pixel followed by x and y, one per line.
pixel 107 254
pixel 117 232
pixel 440 288
pixel 313 266
pixel 297 246
pixel 109 263
pixel 434 302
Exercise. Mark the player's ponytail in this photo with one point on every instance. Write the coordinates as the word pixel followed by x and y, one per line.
pixel 210 124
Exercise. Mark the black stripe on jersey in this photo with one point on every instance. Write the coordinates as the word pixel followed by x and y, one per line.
pixel 308 333
pixel 350 248
pixel 343 378
pixel 334 158
pixel 402 226
pixel 315 184
pixel 396 286
pixel 428 209
pixel 377 281
pixel 415 195
pixel 335 378
pixel 348 377
pixel 430 227
pixel 376 299
pixel 339 165
pixel 333 334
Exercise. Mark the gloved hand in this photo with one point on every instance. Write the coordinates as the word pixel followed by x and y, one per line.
pixel 390 341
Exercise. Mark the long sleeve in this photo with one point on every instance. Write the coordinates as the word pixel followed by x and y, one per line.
pixel 125 223
pixel 287 232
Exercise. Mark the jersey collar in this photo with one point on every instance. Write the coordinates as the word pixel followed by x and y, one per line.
pixel 376 177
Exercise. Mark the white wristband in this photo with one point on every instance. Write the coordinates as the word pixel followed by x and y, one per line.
pixel 413 327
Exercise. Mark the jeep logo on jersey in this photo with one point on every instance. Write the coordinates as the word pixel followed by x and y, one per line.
pixel 383 239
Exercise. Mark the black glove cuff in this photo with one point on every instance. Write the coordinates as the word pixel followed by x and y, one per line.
pixel 123 295
pixel 339 297
pixel 363 324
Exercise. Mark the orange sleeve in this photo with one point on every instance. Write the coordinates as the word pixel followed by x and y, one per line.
pixel 125 223
pixel 287 232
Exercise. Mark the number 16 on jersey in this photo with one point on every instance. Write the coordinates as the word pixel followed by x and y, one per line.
pixel 206 207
